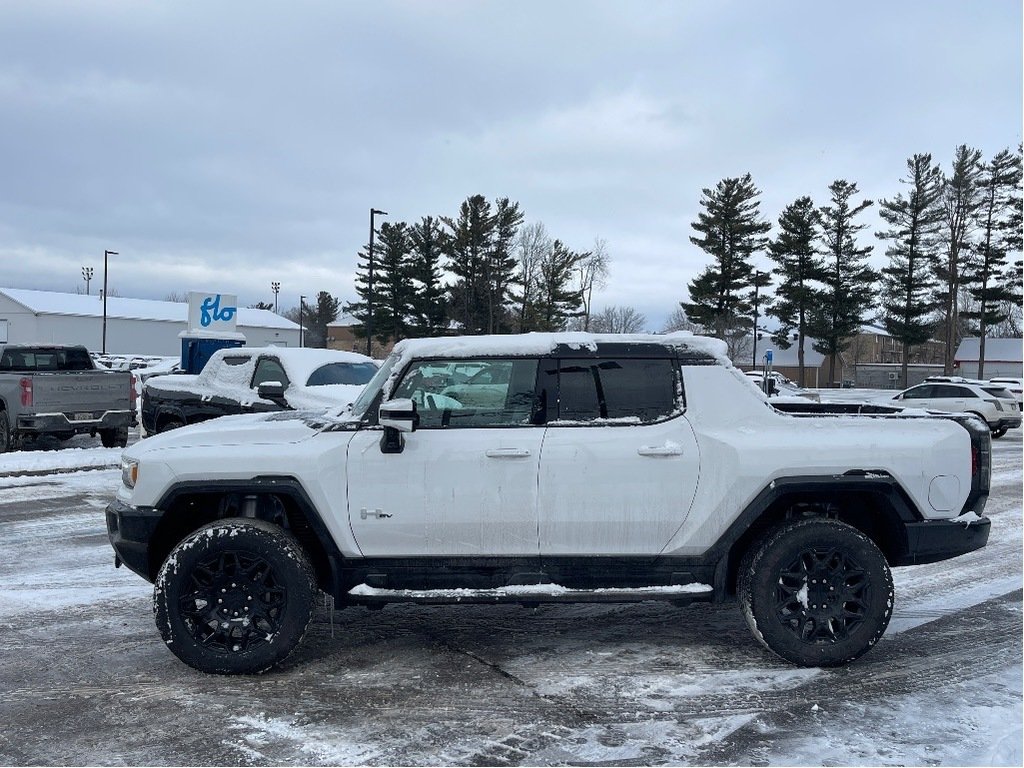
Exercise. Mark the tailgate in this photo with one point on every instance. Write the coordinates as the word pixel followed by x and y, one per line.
pixel 80 391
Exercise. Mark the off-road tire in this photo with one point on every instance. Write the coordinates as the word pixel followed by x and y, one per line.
pixel 114 438
pixel 168 424
pixel 997 433
pixel 816 592
pixel 234 597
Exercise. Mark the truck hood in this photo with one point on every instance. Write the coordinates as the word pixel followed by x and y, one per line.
pixel 249 429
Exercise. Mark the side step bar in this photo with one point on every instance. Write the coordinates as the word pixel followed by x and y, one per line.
pixel 529 594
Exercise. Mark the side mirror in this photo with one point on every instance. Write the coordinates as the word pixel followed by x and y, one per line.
pixel 399 414
pixel 271 390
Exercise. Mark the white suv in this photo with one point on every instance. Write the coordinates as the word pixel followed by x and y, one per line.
pixel 954 394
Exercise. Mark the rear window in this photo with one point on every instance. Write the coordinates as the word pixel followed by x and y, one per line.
pixel 998 392
pixel 342 373
pixel 43 359
pixel 616 389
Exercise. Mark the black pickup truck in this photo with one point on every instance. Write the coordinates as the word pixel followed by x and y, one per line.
pixel 57 390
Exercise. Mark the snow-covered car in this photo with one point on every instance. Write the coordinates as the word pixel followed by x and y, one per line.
pixel 954 394
pixel 611 468
pixel 1014 385
pixel 255 379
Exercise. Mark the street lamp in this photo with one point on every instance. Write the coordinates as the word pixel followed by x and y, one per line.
pixel 761 280
pixel 369 287
pixel 276 288
pixel 87 273
pixel 105 255
pixel 302 300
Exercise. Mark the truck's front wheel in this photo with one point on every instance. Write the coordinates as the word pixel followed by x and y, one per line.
pixel 234 597
pixel 817 592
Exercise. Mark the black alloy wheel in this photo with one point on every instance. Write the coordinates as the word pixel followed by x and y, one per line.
pixel 234 597
pixel 816 591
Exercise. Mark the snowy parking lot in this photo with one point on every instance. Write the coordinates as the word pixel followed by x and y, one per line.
pixel 85 678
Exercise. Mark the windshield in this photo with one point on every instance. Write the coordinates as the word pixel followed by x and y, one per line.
pixel 369 393
pixel 341 373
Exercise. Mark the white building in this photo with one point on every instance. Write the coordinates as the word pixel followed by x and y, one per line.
pixel 134 326
pixel 1003 357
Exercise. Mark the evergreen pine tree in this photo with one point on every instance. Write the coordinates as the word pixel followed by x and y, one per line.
pixel 848 282
pixel 795 252
pixel 907 283
pixel 468 248
pixel 500 265
pixel 555 297
pixel 960 201
pixel 730 230
pixel 316 318
pixel 429 306
pixel 393 282
pixel 991 283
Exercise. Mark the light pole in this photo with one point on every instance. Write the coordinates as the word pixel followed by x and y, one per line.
pixel 276 288
pixel 302 300
pixel 87 273
pixel 369 287
pixel 105 255
pixel 761 280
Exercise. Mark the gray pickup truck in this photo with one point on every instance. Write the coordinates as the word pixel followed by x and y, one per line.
pixel 57 390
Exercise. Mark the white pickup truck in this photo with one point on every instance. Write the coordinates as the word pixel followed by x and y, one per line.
pixel 548 467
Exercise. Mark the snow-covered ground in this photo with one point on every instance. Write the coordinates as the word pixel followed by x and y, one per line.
pixel 85 679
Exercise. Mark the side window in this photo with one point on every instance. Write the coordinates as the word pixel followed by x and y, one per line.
pixel 617 389
pixel 269 369
pixel 471 393
pixel 919 393
pixel 236 360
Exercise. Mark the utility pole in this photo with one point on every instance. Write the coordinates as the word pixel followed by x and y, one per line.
pixel 369 287
pixel 105 255
pixel 276 288
pixel 87 273
pixel 302 301
pixel 761 279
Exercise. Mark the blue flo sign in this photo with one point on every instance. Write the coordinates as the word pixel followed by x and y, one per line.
pixel 211 312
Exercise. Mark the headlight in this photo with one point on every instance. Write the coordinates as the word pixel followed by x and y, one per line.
pixel 129 472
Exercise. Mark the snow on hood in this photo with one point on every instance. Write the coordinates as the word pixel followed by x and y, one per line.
pixel 250 429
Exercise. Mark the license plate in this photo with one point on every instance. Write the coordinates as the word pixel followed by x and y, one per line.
pixel 82 417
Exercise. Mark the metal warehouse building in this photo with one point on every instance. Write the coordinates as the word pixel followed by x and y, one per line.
pixel 134 326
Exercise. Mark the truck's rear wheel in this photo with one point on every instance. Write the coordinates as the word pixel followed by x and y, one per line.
pixel 817 592
pixel 5 433
pixel 234 597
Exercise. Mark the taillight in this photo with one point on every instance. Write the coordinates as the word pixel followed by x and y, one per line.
pixel 26 392
pixel 974 460
pixel 132 392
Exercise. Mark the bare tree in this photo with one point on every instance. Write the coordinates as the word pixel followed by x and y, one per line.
pixel 678 321
pixel 592 273
pixel 615 319
pixel 178 296
pixel 532 243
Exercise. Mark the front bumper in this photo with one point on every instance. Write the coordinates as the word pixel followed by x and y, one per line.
pixel 933 540
pixel 130 530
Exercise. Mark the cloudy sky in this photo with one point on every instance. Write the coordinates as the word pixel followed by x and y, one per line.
pixel 221 146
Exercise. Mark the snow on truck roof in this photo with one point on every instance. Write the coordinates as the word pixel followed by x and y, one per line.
pixel 299 362
pixel 547 343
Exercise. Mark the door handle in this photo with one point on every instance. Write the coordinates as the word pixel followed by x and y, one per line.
pixel 508 453
pixel 660 450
